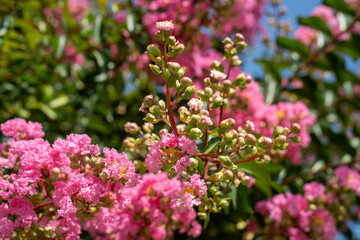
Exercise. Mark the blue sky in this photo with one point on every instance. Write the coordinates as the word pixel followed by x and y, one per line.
pixel 296 8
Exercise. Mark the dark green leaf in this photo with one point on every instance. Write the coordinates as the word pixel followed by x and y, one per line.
pixel 315 23
pixel 339 5
pixel 213 143
pixel 293 45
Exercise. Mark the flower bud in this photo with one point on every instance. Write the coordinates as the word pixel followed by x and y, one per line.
pixel 225 160
pixel 264 142
pixel 207 81
pixel 227 40
pixel 165 26
pixel 179 49
pixel 218 101
pixel 216 64
pixel 195 133
pixel 174 67
pixel 155 69
pixel 148 127
pixel 150 100
pixel 171 40
pixel 228 123
pixel 249 126
pixel 131 128
pixel 163 132
pixel 228 175
pixel 155 110
pixel 194 162
pixel 194 119
pixel 185 82
pixel 227 84
pixel 103 176
pixel 230 135
pixel 189 92
pixel 223 203
pixel 295 139
pixel 239 38
pixel 180 73
pixel 234 157
pixel 151 118
pixel 236 60
pixel 216 76
pixel 250 139
pixel 154 50
pixel 208 92
pixel 295 128
pixel 280 140
pixel 184 113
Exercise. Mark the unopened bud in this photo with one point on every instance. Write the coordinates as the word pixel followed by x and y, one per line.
pixel 148 127
pixel 227 40
pixel 179 49
pixel 228 123
pixel 295 139
pixel 155 69
pixel 195 133
pixel 103 176
pixel 131 128
pixel 250 139
pixel 154 50
pixel 295 128
pixel 174 67
pixel 239 38
pixel 218 101
pixel 185 82
pixel 189 92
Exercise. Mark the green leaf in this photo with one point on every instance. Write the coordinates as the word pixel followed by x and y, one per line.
pixel 243 199
pixel 233 194
pixel 188 128
pixel 200 166
pixel 315 23
pixel 270 68
pixel 130 22
pixel 98 28
pixel 213 143
pixel 293 45
pixel 215 132
pixel 339 5
pixel 261 173
pixel 60 47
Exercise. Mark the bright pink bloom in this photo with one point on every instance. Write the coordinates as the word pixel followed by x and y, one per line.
pixel 19 128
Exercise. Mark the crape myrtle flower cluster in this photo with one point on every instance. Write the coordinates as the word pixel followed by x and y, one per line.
pixel 57 190
pixel 315 214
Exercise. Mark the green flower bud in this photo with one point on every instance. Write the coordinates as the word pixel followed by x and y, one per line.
pixel 207 81
pixel 234 157
pixel 230 135
pixel 155 69
pixel 185 82
pixel 239 38
pixel 295 139
pixel 194 119
pixel 228 40
pixel 227 84
pixel 280 140
pixel 223 203
pixel 194 162
pixel 216 64
pixel 171 40
pixel 179 49
pixel 189 92
pixel 228 123
pixel 148 127
pixel 184 114
pixel 151 118
pixel 295 128
pixel 162 104
pixel 155 110
pixel 236 61
pixel 201 95
pixel 166 74
pixel 225 160
pixel 264 142
pixel 216 103
pixel 174 67
pixel 228 175
pixel 181 73
pixel 154 50
pixel 195 133
pixel 103 176
pixel 208 92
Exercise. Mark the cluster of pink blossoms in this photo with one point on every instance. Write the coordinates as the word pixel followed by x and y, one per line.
pixel 265 116
pixel 348 178
pixel 170 146
pixel 58 190
pixel 308 36
pixel 293 217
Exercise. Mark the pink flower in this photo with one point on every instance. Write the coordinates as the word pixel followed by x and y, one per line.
pixel 167 148
pixel 348 178
pixel 19 128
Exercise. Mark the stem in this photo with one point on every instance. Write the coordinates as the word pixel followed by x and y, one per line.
pixel 222 105
pixel 170 111
pixel 206 169
pixel 44 205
